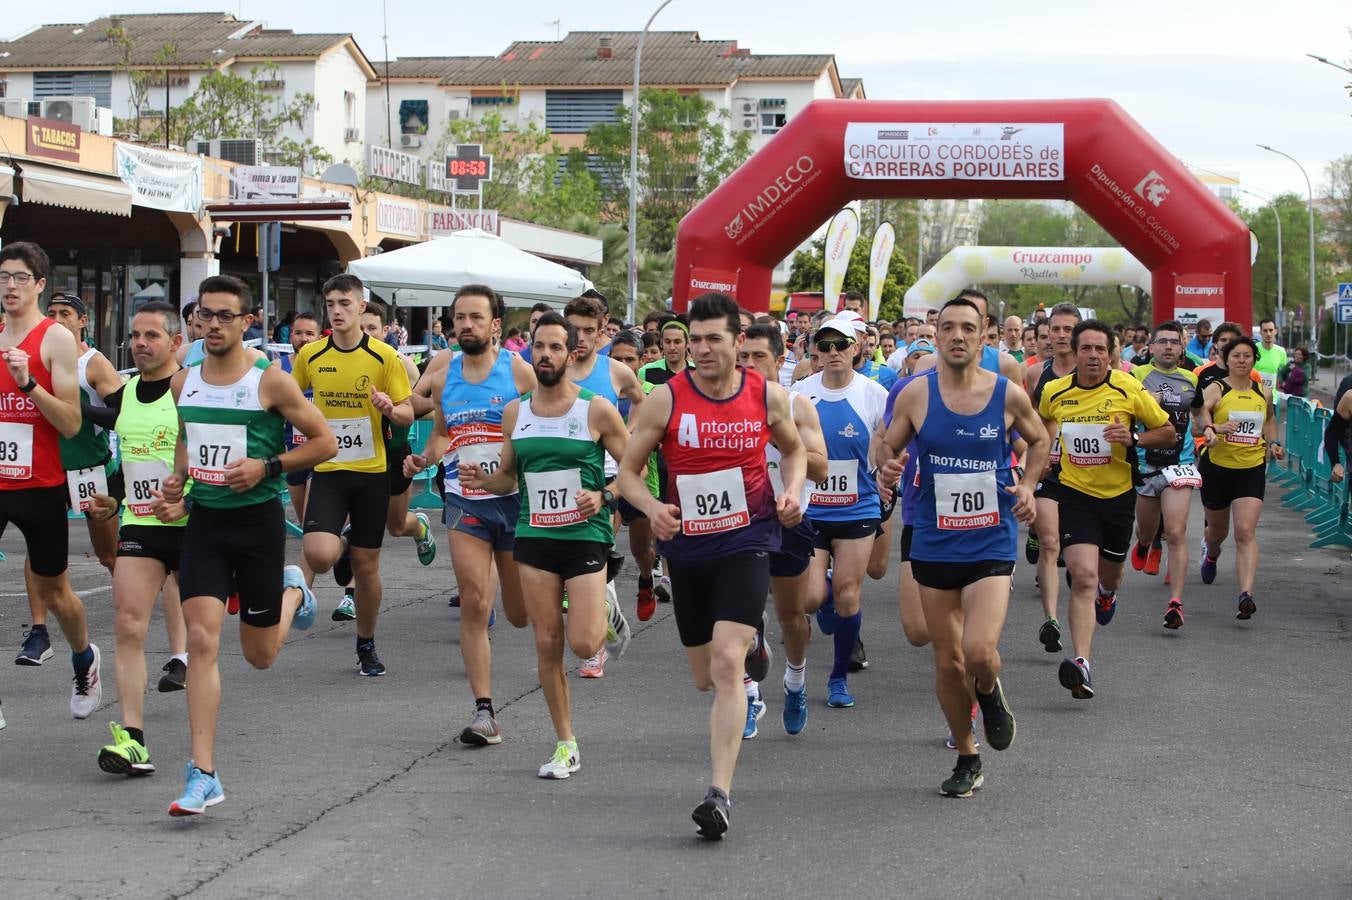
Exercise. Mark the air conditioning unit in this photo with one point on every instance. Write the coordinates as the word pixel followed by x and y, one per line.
pixel 103 121
pixel 410 141
pixel 245 151
pixel 745 106
pixel 78 111
pixel 14 107
pixel 352 135
pixel 457 108
pixel 750 123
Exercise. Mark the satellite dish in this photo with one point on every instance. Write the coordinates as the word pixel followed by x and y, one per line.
pixel 341 173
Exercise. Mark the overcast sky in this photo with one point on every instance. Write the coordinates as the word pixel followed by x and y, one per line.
pixel 1208 79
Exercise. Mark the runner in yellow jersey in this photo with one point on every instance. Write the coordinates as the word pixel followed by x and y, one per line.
pixel 1093 412
pixel 1239 425
pixel 356 381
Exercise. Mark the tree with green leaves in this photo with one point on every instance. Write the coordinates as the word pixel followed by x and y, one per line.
pixel 229 105
pixel 533 180
pixel 685 150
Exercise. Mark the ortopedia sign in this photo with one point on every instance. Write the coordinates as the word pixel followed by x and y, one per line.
pixel 397 217
pixel 393 165
pixel 964 151
pixel 442 220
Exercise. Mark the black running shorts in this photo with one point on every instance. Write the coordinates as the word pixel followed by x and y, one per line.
pixel 954 576
pixel 796 547
pixel 339 497
pixel 163 544
pixel 1222 486
pixel 1105 523
pixel 907 532
pixel 398 481
pixel 855 530
pixel 40 515
pixel 236 550
pixel 718 589
pixel 566 559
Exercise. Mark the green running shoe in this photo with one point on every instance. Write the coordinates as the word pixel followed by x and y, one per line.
pixel 427 542
pixel 125 755
pixel 346 610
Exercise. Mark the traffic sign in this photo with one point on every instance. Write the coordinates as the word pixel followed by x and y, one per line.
pixel 1345 290
pixel 1343 312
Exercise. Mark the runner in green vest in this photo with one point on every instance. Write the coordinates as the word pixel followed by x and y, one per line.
pixel 148 549
pixel 233 410
pixel 554 459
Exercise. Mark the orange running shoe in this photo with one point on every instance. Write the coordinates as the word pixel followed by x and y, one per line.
pixel 1152 561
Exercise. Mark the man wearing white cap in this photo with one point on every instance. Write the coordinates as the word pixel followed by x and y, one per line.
pixel 845 508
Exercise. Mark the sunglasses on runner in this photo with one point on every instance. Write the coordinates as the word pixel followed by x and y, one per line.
pixel 840 345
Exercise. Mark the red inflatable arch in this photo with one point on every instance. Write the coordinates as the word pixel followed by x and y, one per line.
pixel 1087 151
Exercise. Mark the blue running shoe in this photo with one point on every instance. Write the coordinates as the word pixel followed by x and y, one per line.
pixel 293 577
pixel 754 710
pixel 795 710
pixel 1105 606
pixel 826 613
pixel 202 790
pixel 1208 566
pixel 492 616
pixel 838 694
pixel 1075 677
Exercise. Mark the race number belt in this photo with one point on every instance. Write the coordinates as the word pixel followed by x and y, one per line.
pixel 1085 444
pixel 553 498
pixel 212 447
pixel 965 501
pixel 841 487
pixel 712 502
pixel 16 450
pixel 83 484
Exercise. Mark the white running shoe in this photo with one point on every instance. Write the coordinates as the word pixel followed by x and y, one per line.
pixel 618 633
pixel 565 761
pixel 87 691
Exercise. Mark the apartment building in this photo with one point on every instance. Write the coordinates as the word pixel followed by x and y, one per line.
pixel 95 60
pixel 571 84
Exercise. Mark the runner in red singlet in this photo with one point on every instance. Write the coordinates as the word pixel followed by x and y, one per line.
pixel 711 423
pixel 39 400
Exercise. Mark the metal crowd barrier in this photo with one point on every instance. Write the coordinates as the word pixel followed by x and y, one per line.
pixel 1307 473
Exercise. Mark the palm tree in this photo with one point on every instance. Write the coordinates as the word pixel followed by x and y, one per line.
pixel 611 276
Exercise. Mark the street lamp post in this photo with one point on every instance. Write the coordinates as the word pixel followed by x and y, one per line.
pixel 1329 62
pixel 633 171
pixel 1281 290
pixel 1309 208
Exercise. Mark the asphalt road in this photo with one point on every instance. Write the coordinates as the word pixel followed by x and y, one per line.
pixel 1207 765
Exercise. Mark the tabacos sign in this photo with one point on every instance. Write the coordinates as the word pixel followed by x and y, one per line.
pixel 702 281
pixel 53 139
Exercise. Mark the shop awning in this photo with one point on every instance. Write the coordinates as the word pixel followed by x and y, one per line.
pixel 323 209
pixel 6 183
pixel 74 190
